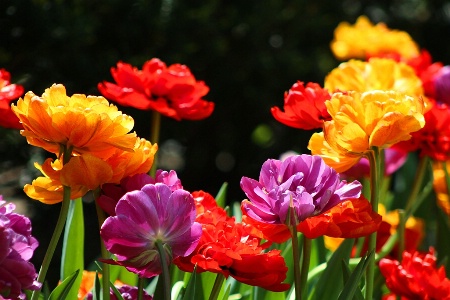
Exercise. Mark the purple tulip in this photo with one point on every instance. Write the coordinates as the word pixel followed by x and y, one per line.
pixel 442 85
pixel 16 249
pixel 303 180
pixel 153 213
pixel 111 193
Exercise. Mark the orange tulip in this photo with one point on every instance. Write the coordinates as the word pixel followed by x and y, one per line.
pixel 125 163
pixel 364 120
pixel 86 124
pixel 414 232
pixel 88 172
pixel 48 188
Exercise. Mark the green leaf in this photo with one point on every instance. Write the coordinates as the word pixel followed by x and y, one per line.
pixel 62 291
pixel 226 293
pixel 159 288
pixel 236 212
pixel 73 245
pixel 222 195
pixel 207 279
pixel 318 252
pixel 332 273
pixel 193 288
pixel 151 287
pixel 116 292
pixel 350 290
pixel 97 288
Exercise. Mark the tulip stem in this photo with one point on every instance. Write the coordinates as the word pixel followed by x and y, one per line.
pixel 401 233
pixel 104 252
pixel 140 288
pixel 374 157
pixel 417 184
pixel 291 222
pixel 54 240
pixel 307 243
pixel 165 269
pixel 220 278
pixel 154 138
pixel 296 257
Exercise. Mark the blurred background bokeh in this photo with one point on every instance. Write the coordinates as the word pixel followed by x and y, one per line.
pixel 248 52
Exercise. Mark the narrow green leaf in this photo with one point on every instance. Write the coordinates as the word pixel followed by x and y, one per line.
pixel 222 195
pixel 62 291
pixel 351 280
pixel 151 287
pixel 116 292
pixel 208 280
pixel 45 293
pixel 193 288
pixel 159 288
pixel 227 292
pixel 97 288
pixel 318 252
pixel 234 285
pixel 332 273
pixel 73 245
pixel 236 212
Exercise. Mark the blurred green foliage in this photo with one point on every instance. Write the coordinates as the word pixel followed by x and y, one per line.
pixel 248 52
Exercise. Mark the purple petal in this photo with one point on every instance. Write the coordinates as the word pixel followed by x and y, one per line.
pixel 312 185
pixel 350 190
pixel 442 85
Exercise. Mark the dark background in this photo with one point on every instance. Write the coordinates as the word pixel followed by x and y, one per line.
pixel 248 52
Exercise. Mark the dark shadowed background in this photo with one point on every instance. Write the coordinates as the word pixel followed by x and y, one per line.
pixel 248 52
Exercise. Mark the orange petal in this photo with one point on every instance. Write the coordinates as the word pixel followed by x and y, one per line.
pixel 86 170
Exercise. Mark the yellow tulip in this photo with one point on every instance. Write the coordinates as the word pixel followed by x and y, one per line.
pixel 364 38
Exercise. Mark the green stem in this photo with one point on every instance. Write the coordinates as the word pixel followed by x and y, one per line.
pixel 165 269
pixel 401 233
pixel 154 138
pixel 140 288
pixel 296 257
pixel 375 172
pixel 104 252
pixel 359 246
pixel 54 240
pixel 307 244
pixel 220 278
pixel 417 184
